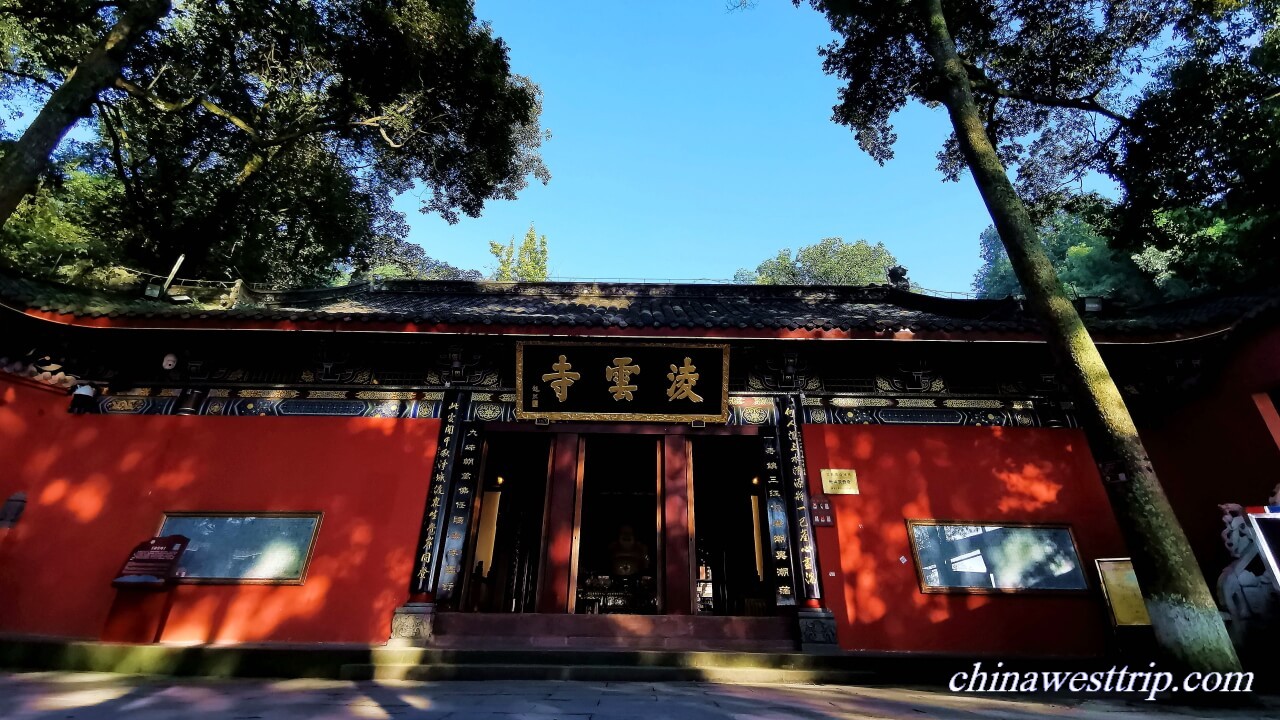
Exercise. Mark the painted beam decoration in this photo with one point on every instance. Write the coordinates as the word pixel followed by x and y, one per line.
pixel 625 383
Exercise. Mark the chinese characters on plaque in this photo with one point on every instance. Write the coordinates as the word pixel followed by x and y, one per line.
pixel 839 482
pixel 152 564
pixel 561 378
pixel 820 509
pixel 619 373
pixel 682 381
pixel 603 381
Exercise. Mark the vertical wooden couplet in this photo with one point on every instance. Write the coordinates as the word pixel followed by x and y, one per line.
pixel 677 494
pixel 555 594
pixel 796 484
pixel 453 408
pixel 779 519
pixel 466 481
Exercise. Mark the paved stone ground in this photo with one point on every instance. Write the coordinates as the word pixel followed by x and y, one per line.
pixel 86 696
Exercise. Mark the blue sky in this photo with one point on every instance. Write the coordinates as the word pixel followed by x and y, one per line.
pixel 689 142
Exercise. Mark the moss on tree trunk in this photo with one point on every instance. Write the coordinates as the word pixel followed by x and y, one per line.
pixel 1183 613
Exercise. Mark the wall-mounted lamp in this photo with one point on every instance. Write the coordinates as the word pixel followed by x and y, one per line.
pixel 500 481
pixel 790 366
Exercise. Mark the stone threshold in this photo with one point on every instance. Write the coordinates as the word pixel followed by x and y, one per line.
pixel 380 662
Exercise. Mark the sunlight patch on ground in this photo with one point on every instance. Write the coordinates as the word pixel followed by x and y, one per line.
pixel 81 698
pixel 366 708
pixel 296 684
pixel 414 701
pixel 76 678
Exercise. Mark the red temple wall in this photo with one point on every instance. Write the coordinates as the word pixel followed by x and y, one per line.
pixel 97 485
pixel 1023 475
pixel 1223 446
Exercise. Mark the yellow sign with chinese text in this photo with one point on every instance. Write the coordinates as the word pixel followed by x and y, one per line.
pixel 839 482
pixel 1120 587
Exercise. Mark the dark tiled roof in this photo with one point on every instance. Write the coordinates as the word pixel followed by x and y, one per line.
pixel 24 292
pixel 657 306
pixel 637 306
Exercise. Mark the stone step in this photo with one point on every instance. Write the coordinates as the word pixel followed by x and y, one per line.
pixel 470 642
pixel 426 656
pixel 319 660
pixel 659 632
pixel 602 673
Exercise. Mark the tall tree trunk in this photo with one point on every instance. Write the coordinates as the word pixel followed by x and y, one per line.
pixel 1183 614
pixel 21 166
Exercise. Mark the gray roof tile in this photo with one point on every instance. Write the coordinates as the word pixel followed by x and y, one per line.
pixel 606 305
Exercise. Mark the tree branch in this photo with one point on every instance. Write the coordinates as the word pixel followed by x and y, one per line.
pixel 26 76
pixel 229 117
pixel 983 85
pixel 1088 104
pixel 151 98
pixel 163 105
pixel 148 96
pixel 117 151
pixel 383 131
pixel 36 14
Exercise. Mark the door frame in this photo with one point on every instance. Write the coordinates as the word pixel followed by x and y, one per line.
pixel 558 576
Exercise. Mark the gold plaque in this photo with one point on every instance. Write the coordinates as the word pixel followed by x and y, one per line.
pixel 624 382
pixel 1120 588
pixel 839 482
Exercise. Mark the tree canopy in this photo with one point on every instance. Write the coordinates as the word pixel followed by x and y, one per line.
pixel 1085 262
pixel 267 140
pixel 1176 101
pixel 1200 160
pixel 1048 75
pixel 395 259
pixel 528 263
pixel 831 261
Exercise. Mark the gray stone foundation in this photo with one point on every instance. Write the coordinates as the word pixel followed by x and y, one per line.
pixel 412 624
pixel 817 630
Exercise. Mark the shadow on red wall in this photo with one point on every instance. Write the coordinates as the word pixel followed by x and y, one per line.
pixel 97 485
pixel 1024 475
